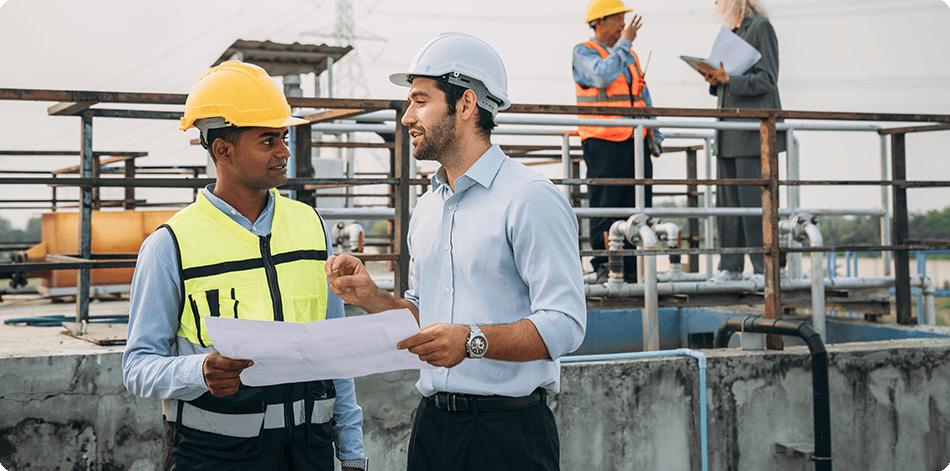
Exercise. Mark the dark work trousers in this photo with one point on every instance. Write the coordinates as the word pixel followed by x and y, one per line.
pixel 745 231
pixel 609 159
pixel 520 440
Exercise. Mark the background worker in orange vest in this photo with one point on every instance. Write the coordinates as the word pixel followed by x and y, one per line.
pixel 608 73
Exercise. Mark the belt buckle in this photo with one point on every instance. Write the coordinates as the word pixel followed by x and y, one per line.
pixel 452 402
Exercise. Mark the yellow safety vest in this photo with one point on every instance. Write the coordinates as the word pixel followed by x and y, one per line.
pixel 619 93
pixel 227 271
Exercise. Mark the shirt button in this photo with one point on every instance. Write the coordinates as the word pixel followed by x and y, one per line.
pixel 448 289
pixel 446 246
pixel 441 370
pixel 451 207
pixel 233 212
pixel 254 228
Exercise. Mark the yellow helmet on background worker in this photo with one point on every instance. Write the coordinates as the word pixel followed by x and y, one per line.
pixel 603 8
pixel 236 93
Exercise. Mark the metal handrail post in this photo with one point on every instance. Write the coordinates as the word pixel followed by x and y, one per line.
pixel 901 230
pixel 710 220
pixel 401 204
pixel 770 227
pixel 886 236
pixel 84 275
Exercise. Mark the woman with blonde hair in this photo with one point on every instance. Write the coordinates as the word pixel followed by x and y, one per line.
pixel 739 152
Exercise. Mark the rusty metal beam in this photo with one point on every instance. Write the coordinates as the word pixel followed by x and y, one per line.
pixel 770 229
pixel 354 145
pixel 909 129
pixel 76 96
pixel 59 153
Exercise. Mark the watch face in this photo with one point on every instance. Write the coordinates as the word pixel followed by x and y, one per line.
pixel 478 345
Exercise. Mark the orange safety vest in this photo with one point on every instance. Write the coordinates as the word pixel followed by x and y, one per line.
pixel 618 93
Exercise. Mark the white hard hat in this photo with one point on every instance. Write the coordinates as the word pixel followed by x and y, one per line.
pixel 462 60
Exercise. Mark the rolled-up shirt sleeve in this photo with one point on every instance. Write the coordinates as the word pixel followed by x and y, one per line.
pixel 591 70
pixel 543 233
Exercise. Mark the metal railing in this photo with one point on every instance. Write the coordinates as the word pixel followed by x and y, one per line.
pixel 402 174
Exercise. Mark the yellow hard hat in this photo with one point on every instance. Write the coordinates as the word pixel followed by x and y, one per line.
pixel 601 8
pixel 240 93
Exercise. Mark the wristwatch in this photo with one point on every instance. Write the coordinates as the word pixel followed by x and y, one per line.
pixel 359 463
pixel 477 344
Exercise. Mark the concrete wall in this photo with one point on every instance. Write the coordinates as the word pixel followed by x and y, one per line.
pixel 890 405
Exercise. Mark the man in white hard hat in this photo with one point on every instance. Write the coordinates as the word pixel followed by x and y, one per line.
pixel 495 274
pixel 240 250
pixel 607 72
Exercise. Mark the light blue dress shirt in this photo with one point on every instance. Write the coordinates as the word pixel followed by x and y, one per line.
pixel 590 70
pixel 159 364
pixel 501 248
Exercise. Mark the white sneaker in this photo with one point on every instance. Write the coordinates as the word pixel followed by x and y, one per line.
pixel 726 275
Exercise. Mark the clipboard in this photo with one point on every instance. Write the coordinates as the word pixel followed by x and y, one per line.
pixel 736 55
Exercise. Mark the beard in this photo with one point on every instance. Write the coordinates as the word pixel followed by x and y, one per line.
pixel 439 142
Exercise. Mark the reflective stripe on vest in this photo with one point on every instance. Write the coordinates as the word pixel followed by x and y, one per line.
pixel 619 94
pixel 245 425
pixel 227 271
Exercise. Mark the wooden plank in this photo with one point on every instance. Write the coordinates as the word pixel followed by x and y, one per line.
pixel 106 161
pixel 98 333
pixel 69 108
pixel 330 115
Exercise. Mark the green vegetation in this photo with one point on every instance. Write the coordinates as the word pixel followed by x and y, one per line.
pixel 9 234
pixel 933 225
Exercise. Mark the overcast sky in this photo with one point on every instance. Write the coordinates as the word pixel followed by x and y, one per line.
pixel 836 55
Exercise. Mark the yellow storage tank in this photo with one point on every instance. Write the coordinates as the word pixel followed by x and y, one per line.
pixel 113 232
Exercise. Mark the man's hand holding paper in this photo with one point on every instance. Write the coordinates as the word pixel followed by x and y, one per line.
pixel 284 352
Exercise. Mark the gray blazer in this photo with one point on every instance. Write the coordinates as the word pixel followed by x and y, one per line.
pixel 757 88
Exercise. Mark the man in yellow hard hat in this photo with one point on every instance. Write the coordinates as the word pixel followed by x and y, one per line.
pixel 607 72
pixel 243 251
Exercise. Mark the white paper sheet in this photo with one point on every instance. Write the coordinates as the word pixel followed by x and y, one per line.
pixel 736 55
pixel 287 352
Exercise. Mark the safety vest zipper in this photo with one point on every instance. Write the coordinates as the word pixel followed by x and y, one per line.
pixel 271 272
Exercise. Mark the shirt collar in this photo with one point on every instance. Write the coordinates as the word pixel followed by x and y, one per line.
pixel 263 221
pixel 483 171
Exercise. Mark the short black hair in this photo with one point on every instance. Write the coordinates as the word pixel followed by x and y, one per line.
pixel 453 93
pixel 230 134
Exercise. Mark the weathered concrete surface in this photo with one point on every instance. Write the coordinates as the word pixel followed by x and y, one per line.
pixel 890 404
pixel 72 412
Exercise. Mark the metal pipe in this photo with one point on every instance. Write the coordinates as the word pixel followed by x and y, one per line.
pixel 701 359
pixel 929 312
pixel 819 372
pixel 384 213
pixel 817 279
pixel 748 284
pixel 651 315
pixel 793 172
pixel 886 206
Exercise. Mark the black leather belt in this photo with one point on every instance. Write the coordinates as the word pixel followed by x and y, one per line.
pixel 454 402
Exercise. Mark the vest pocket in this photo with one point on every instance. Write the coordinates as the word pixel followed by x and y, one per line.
pixel 215 303
pixel 307 309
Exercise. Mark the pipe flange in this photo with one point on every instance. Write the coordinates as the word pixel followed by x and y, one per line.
pixel 634 223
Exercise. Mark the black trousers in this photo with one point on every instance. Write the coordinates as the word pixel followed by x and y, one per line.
pixel 745 231
pixel 609 159
pixel 520 440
